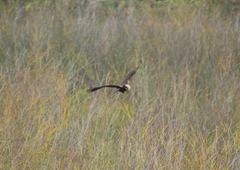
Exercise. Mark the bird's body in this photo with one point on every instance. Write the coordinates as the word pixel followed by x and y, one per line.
pixel 120 88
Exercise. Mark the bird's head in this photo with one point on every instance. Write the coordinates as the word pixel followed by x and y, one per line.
pixel 127 87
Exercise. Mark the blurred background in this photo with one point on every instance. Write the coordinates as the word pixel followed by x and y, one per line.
pixel 182 111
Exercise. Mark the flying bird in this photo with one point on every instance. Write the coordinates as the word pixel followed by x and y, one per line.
pixel 120 88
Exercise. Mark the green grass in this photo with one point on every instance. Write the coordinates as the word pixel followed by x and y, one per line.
pixel 183 109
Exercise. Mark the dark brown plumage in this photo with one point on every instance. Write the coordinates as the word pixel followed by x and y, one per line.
pixel 120 88
pixel 97 88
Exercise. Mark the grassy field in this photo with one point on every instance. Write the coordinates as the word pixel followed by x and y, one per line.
pixel 183 110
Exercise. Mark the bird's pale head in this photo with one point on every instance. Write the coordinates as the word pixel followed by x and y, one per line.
pixel 127 86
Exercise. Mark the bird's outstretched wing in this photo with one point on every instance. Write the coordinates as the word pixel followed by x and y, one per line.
pixel 100 87
pixel 129 75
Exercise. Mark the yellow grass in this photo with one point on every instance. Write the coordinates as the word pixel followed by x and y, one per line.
pixel 182 112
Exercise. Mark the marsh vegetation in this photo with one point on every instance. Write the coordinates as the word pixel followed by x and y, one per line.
pixel 182 111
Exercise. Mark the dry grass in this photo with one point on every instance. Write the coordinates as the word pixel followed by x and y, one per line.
pixel 182 113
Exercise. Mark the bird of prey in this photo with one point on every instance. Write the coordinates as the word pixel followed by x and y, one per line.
pixel 120 88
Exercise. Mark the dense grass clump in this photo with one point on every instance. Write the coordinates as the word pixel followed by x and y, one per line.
pixel 182 112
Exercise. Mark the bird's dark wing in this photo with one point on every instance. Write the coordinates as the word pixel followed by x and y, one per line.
pixel 129 75
pixel 100 87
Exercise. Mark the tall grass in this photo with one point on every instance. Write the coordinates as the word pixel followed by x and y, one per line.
pixel 182 112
